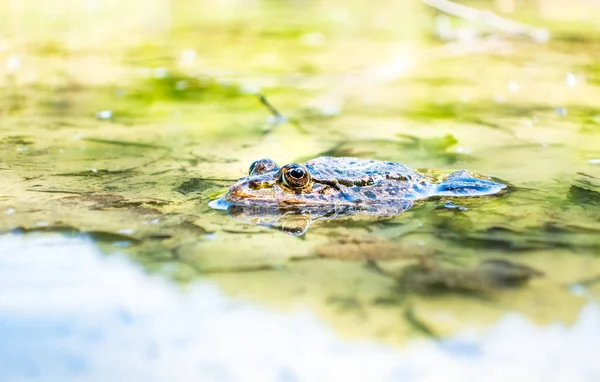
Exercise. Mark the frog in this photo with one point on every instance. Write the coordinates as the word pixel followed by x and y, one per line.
pixel 333 187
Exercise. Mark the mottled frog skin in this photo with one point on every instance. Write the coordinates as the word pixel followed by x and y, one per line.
pixel 328 181
pixel 328 187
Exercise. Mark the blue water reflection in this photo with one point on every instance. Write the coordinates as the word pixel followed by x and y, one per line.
pixel 69 313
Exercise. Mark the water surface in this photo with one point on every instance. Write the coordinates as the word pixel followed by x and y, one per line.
pixel 92 317
pixel 123 121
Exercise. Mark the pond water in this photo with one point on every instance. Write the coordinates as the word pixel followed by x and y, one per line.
pixel 121 121
pixel 75 314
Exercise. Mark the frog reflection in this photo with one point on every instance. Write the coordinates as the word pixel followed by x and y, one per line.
pixel 297 221
pixel 293 196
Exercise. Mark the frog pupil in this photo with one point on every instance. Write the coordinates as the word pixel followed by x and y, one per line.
pixel 296 173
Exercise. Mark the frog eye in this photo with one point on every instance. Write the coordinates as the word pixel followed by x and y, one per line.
pixel 295 175
pixel 262 166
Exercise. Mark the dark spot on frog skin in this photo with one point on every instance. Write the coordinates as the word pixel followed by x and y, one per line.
pixel 370 194
pixel 347 197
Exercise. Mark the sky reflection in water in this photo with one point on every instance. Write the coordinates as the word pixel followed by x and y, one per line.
pixel 69 313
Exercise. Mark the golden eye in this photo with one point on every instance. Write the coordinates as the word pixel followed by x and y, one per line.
pixel 295 176
pixel 262 166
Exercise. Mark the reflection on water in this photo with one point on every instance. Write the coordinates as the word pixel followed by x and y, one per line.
pixel 68 313
pixel 296 221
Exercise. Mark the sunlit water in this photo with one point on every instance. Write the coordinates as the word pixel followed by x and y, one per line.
pixel 125 119
pixel 68 313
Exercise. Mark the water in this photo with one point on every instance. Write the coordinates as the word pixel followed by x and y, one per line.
pixel 67 312
pixel 123 121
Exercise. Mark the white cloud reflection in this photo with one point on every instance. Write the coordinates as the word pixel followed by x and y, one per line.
pixel 67 313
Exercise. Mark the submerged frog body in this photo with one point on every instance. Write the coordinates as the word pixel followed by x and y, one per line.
pixel 328 187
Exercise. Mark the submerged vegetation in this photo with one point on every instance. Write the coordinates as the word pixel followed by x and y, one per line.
pixel 126 130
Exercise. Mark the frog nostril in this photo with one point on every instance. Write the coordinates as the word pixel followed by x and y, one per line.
pixel 254 184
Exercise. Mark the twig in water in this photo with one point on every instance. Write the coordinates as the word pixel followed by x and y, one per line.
pixel 279 118
pixel 489 18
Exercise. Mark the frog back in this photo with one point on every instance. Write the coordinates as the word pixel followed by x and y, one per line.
pixel 355 171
